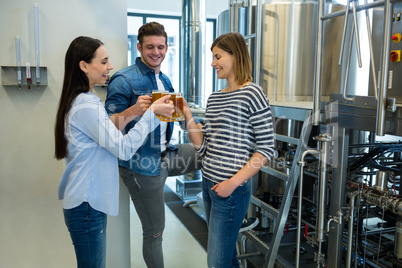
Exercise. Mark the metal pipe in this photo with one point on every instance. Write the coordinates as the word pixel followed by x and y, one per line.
pixel 350 229
pixel 318 61
pixel 323 141
pixel 250 15
pixel 378 199
pixel 359 8
pixel 359 58
pixel 231 15
pixel 257 43
pixel 193 53
pixel 301 163
pixel 382 98
pixel 347 67
pixel 345 25
pixel 370 39
pixel 398 240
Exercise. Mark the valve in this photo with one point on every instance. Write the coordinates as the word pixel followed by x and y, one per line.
pixel 395 56
pixel 396 37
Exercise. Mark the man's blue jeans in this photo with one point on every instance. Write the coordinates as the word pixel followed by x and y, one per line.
pixel 224 218
pixel 87 229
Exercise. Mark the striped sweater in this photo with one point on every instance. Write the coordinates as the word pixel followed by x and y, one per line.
pixel 237 124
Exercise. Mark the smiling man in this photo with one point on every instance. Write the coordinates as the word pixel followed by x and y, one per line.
pixel 146 172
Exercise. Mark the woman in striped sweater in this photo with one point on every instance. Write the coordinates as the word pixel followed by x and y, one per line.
pixel 235 141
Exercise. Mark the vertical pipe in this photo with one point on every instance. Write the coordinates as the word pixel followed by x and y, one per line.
pixel 28 74
pixel 36 32
pixel 398 239
pixel 359 58
pixel 323 188
pixel 231 15
pixel 347 68
pixel 345 25
pixel 318 61
pixel 257 55
pixel 382 98
pixel 18 57
pixel 350 229
pixel 299 212
pixel 301 163
pixel 370 39
pixel 28 52
pixel 250 15
pixel 337 201
pixel 193 50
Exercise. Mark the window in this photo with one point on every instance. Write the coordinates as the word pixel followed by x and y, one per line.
pixel 171 64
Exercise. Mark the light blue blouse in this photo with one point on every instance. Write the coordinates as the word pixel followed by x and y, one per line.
pixel 94 143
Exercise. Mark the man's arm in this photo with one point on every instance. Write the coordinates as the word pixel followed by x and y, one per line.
pixel 120 120
pixel 118 102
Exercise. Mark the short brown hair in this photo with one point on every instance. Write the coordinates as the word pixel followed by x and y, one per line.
pixel 235 44
pixel 151 28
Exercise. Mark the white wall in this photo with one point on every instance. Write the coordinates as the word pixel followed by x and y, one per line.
pixel 32 230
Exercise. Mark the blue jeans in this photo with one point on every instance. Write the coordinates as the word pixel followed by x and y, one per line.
pixel 224 218
pixel 87 229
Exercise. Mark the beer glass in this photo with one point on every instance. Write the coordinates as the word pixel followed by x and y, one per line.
pixel 179 115
pixel 173 99
pixel 156 94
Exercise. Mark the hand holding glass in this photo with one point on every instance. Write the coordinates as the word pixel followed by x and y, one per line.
pixel 162 107
pixel 176 99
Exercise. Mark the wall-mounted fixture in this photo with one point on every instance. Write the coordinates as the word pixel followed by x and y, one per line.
pixel 10 75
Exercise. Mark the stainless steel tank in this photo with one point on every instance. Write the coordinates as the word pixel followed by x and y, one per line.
pixel 223 26
pixel 289 50
pixel 193 50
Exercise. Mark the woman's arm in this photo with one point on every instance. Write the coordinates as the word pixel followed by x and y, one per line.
pixel 91 119
pixel 193 129
pixel 226 188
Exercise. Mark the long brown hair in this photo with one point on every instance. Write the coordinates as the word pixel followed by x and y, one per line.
pixel 82 48
pixel 235 44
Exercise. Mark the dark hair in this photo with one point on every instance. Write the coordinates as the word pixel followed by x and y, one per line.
pixel 235 44
pixel 82 48
pixel 151 28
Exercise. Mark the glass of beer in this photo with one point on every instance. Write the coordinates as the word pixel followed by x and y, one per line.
pixel 179 115
pixel 173 99
pixel 156 94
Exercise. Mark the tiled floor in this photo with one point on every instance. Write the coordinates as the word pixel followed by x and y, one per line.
pixel 181 250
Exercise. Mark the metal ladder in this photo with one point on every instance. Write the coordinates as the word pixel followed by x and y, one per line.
pixel 270 250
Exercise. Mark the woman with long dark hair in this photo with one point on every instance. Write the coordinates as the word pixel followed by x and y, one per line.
pixel 90 144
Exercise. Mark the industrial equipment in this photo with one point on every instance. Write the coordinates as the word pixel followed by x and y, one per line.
pixel 330 197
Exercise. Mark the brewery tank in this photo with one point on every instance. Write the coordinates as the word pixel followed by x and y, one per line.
pixel 288 49
pixel 287 59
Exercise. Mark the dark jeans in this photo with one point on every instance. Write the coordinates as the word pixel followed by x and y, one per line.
pixel 87 229
pixel 149 202
pixel 224 217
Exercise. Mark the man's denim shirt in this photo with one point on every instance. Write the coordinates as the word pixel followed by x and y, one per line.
pixel 124 88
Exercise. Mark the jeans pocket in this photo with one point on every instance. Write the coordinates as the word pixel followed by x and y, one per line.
pixel 221 198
